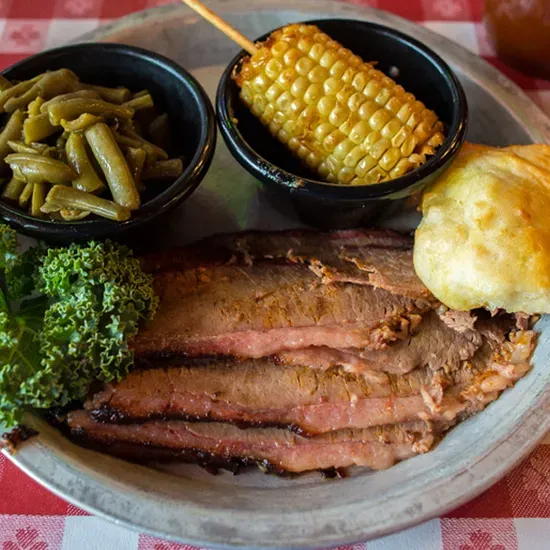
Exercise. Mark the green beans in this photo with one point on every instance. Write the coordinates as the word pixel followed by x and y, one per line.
pixel 159 130
pixel 13 189
pixel 48 85
pixel 4 83
pixel 23 100
pixel 73 108
pixel 35 168
pixel 114 165
pixel 78 160
pixel 132 139
pixel 113 95
pixel 37 128
pixel 38 199
pixel 136 161
pixel 34 106
pixel 72 215
pixel 61 197
pixel 164 169
pixel 26 195
pixel 12 131
pixel 68 147
pixel 125 142
pixel 57 82
pixel 22 147
pixel 17 90
pixel 81 123
pixel 71 95
pixel 144 101
pixel 60 143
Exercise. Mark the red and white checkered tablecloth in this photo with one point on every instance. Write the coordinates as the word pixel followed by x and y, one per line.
pixel 513 514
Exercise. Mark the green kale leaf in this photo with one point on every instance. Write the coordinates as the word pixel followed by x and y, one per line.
pixel 20 361
pixel 52 347
pixel 99 295
pixel 20 269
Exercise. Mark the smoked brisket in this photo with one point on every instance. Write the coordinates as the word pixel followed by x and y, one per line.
pixel 300 351
pixel 377 448
pixel 259 310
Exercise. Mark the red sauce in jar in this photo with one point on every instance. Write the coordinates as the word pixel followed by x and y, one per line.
pixel 520 32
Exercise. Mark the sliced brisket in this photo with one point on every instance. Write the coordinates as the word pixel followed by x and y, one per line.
pixel 364 365
pixel 257 393
pixel 378 258
pixel 431 343
pixel 386 268
pixel 376 448
pixel 259 310
pixel 250 246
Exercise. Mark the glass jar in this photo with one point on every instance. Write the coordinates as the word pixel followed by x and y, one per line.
pixel 520 33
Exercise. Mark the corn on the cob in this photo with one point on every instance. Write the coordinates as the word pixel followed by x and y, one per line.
pixel 343 118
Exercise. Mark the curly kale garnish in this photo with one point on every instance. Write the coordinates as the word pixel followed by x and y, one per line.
pixel 19 269
pixel 20 358
pixel 99 296
pixel 8 247
pixel 52 347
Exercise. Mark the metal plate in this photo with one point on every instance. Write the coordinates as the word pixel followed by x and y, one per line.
pixel 260 511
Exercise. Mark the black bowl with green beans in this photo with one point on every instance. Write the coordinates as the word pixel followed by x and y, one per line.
pixel 98 139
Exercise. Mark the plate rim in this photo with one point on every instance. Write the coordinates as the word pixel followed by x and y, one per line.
pixel 497 84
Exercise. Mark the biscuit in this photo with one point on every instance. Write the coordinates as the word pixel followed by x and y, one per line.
pixel 484 240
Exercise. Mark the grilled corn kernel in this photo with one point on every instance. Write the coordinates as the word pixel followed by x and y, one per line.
pixel 313 94
pixel 353 157
pixel 299 87
pixel 341 116
pixel 273 69
pixel 379 148
pixel 282 135
pixel 338 115
pixel 365 165
pixel 367 110
pixel 390 129
pixel 304 66
pixel 305 44
pixel 355 101
pixel 323 130
pixel 273 92
pixel 312 160
pixel 345 175
pixel 342 150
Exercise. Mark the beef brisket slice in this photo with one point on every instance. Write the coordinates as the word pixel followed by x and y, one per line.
pixel 250 246
pixel 262 394
pixel 377 448
pixel 259 310
pixel 378 258
pixel 433 344
pixel 310 401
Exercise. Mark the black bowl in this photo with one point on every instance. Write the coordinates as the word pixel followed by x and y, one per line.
pixel 174 91
pixel 332 206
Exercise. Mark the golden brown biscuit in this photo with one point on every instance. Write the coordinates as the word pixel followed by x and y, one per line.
pixel 484 240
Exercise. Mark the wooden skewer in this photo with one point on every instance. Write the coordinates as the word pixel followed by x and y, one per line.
pixel 222 25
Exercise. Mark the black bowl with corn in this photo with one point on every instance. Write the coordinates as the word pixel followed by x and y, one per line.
pixel 99 139
pixel 310 118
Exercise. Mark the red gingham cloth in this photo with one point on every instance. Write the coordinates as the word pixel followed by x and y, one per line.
pixel 513 514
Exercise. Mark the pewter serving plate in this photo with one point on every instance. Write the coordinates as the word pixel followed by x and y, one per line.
pixel 259 511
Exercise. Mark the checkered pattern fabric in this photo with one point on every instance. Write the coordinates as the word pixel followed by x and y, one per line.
pixel 514 514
